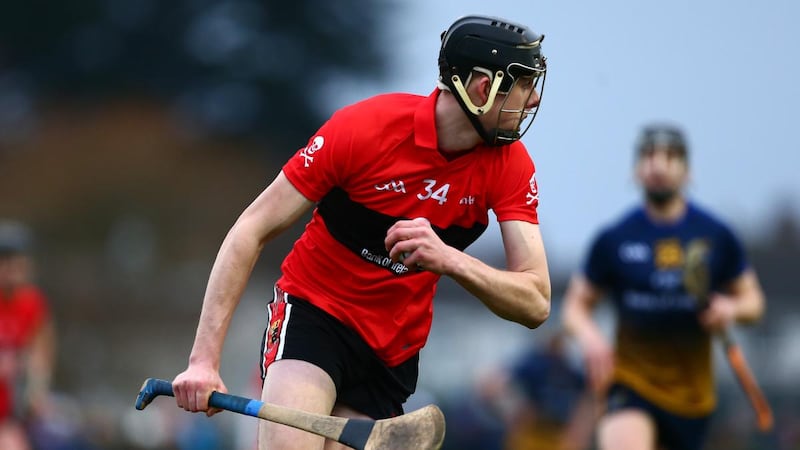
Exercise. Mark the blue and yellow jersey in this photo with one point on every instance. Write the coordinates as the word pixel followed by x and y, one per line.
pixel 662 352
pixel 554 389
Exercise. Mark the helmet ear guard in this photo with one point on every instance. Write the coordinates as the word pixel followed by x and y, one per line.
pixel 461 90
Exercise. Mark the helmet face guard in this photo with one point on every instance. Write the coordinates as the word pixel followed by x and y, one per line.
pixel 508 54
pixel 524 115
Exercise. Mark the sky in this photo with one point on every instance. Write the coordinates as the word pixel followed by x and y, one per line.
pixel 723 70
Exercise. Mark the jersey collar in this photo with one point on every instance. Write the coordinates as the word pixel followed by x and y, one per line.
pixel 425 122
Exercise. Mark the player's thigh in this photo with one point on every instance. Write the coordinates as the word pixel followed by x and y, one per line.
pixel 626 429
pixel 340 410
pixel 299 385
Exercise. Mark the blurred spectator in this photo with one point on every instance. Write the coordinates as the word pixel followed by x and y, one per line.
pixel 60 426
pixel 542 399
pixel 469 425
pixel 198 433
pixel 26 339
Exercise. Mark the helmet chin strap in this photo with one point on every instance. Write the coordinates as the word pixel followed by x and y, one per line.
pixel 474 112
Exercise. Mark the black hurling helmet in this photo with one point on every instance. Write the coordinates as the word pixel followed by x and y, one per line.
pixel 661 135
pixel 504 51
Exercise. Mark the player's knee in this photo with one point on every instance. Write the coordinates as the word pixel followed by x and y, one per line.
pixel 272 436
pixel 626 430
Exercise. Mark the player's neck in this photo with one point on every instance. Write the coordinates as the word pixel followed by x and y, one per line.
pixel 667 212
pixel 455 133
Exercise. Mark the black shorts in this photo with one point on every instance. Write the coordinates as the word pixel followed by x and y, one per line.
pixel 673 431
pixel 299 330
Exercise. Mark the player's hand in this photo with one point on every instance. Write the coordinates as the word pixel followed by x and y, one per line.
pixel 194 386
pixel 720 313
pixel 599 358
pixel 415 244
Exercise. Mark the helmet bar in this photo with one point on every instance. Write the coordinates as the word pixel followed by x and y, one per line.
pixel 462 93
pixel 462 98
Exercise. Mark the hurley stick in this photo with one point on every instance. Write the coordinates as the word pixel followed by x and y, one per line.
pixel 696 281
pixel 422 429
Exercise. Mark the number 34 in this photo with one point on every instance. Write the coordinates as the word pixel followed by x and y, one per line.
pixel 439 194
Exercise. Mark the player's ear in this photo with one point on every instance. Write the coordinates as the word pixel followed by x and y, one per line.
pixel 638 173
pixel 687 178
pixel 482 87
pixel 487 85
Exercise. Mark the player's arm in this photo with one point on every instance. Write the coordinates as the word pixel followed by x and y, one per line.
pixel 520 293
pixel 742 302
pixel 579 429
pixel 39 366
pixel 580 299
pixel 579 302
pixel 748 297
pixel 275 209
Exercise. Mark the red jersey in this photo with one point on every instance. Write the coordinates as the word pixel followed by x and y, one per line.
pixel 22 312
pixel 376 162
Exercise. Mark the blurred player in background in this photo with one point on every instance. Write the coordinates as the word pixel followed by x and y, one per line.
pixel 658 375
pixel 543 399
pixel 402 184
pixel 26 338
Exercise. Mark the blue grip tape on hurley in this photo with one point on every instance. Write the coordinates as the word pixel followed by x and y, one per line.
pixel 235 403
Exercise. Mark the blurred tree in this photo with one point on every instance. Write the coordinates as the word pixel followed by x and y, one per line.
pixel 234 68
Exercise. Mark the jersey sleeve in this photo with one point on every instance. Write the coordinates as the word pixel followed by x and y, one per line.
pixel 732 257
pixel 322 163
pixel 599 261
pixel 515 194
